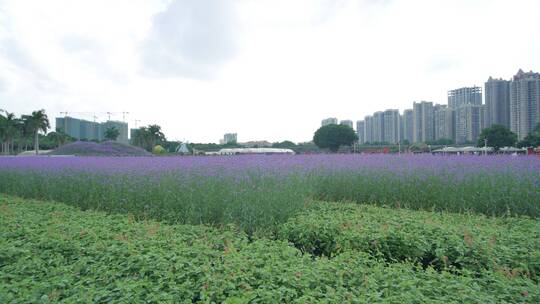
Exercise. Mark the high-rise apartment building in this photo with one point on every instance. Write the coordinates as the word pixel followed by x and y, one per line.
pixel 378 127
pixel 497 102
pixel 423 121
pixel 468 123
pixel 88 130
pixel 360 130
pixel 391 126
pixel 229 138
pixel 464 96
pixel 368 129
pixel 524 103
pixel 443 122
pixel 347 122
pixel 70 126
pixel 329 121
pixel 407 125
pixel 122 128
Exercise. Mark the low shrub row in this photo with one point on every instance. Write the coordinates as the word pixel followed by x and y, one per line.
pixel 56 253
pixel 441 240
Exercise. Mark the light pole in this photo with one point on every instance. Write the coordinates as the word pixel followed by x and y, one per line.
pixel 485 146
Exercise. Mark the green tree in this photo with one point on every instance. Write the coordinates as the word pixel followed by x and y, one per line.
pixel 333 136
pixel 36 122
pixel 11 126
pixel 497 136
pixel 532 139
pixel 112 133
pixel 156 135
pixel 59 138
pixel 287 144
pixel 148 137
pixel 2 130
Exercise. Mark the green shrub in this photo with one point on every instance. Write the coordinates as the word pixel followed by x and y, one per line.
pixel 440 240
pixel 158 150
pixel 55 253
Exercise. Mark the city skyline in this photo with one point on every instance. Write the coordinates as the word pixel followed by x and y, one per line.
pixel 513 103
pixel 267 69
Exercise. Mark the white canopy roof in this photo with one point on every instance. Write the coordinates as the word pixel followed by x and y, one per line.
pixel 464 149
pixel 255 151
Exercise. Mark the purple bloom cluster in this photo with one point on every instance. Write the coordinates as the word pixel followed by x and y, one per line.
pixel 108 148
pixel 399 165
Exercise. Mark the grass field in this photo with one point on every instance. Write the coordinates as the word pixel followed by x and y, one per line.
pixel 52 252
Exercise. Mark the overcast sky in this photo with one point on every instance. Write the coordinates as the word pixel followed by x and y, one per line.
pixel 268 69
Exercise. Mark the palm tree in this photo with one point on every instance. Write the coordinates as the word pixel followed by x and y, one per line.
pixel 148 137
pixel 142 138
pixel 156 136
pixel 9 131
pixel 2 129
pixel 36 122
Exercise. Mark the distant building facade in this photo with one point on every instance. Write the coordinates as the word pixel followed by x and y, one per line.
pixel 443 122
pixel 347 122
pixel 407 125
pixel 391 126
pixel 329 121
pixel 229 138
pixel 133 135
pixel 464 96
pixel 497 102
pixel 122 127
pixel 360 130
pixel 524 103
pixel 468 123
pixel 368 129
pixel 88 130
pixel 423 130
pixel 378 127
pixel 469 113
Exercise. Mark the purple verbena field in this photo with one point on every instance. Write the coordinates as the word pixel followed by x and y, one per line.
pixel 262 191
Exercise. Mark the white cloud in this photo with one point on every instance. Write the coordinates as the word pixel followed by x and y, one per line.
pixel 190 38
pixel 268 69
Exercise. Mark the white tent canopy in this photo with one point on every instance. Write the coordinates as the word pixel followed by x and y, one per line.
pixel 233 151
pixel 464 149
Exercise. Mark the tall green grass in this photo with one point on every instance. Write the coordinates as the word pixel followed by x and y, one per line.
pixel 492 194
pixel 255 203
pixel 260 200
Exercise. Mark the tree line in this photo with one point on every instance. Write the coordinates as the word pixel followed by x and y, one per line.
pixel 334 136
pixel 18 133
